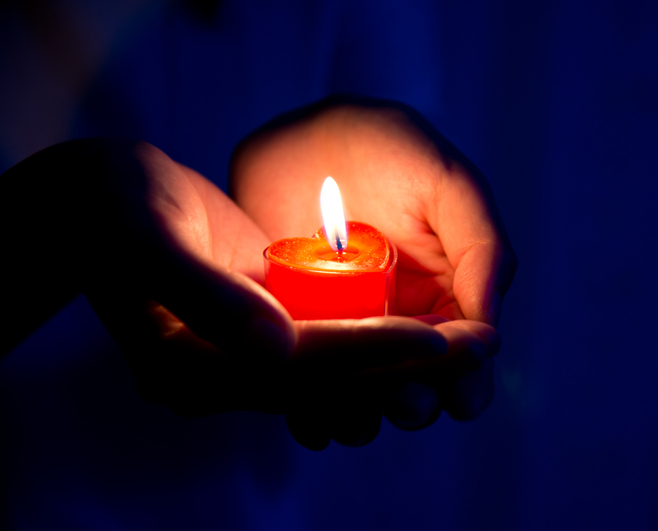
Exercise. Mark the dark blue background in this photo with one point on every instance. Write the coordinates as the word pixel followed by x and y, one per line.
pixel 557 102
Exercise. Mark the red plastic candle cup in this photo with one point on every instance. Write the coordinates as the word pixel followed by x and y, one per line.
pixel 349 274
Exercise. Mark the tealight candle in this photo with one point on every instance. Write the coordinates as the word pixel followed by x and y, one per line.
pixel 346 270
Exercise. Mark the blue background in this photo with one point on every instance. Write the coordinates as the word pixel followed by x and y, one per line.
pixel 557 103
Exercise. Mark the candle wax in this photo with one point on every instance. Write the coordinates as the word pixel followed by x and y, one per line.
pixel 312 281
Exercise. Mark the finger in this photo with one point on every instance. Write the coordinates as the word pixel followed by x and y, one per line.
pixel 413 407
pixel 174 367
pixel 476 244
pixel 469 396
pixel 469 344
pixel 344 347
pixel 354 429
pixel 464 385
pixel 354 409
pixel 172 236
pixel 309 430
pixel 382 352
pixel 227 309
pixel 431 319
pixel 473 338
pixel 338 365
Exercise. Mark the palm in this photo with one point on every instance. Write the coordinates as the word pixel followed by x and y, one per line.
pixel 172 267
pixel 401 176
pixel 390 176
pixel 398 179
pixel 209 224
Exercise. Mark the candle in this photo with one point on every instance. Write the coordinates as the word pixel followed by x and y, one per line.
pixel 346 270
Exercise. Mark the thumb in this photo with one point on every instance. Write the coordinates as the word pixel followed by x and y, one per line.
pixel 226 308
pixel 482 277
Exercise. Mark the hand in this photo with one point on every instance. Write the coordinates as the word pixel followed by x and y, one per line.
pixel 176 279
pixel 168 262
pixel 396 366
pixel 172 267
pixel 398 174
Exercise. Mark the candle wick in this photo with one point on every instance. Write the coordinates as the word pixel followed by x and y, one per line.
pixel 339 245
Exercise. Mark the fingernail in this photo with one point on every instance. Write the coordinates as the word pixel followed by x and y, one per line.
pixel 493 314
pixel 268 340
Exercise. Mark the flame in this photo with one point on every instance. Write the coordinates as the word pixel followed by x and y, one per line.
pixel 332 215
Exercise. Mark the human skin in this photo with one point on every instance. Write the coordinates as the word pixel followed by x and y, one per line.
pixel 398 174
pixel 173 268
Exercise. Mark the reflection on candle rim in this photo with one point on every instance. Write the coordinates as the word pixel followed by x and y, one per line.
pixel 392 263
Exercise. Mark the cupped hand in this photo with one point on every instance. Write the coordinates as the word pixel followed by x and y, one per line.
pixel 398 174
pixel 173 269
pixel 175 277
pixel 405 369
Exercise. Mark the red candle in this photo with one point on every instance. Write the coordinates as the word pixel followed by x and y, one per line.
pixel 348 275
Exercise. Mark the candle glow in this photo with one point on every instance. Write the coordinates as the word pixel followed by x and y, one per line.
pixel 323 277
pixel 333 216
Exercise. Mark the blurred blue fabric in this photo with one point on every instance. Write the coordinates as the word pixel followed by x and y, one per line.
pixel 557 102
